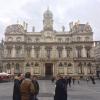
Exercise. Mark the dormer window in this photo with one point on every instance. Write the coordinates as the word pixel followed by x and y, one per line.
pixel 10 39
pixel 78 38
pixel 37 40
pixel 18 39
pixel 86 38
pixel 67 40
pixel 59 40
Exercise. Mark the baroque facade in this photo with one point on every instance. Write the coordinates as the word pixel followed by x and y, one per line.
pixel 97 57
pixel 48 52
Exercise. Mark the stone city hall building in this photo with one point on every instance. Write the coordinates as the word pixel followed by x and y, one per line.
pixel 49 52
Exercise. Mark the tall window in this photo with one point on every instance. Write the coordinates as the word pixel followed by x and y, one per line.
pixel 80 68
pixel 68 53
pixel 28 52
pixel 37 53
pixel 17 68
pixel 88 53
pixel 86 38
pixel 67 40
pixel 9 51
pixel 59 40
pixel 79 53
pixel 59 53
pixel 37 40
pixel 78 38
pixel 48 53
pixel 8 68
pixel 59 48
pixel 17 52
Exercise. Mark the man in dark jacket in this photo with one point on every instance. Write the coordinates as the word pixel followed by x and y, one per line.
pixel 61 89
pixel 36 86
pixel 16 89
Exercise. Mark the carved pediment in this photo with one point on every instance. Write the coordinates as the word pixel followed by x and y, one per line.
pixel 18 46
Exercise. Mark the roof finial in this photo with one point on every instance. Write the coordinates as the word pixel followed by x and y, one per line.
pixel 17 21
pixel 48 8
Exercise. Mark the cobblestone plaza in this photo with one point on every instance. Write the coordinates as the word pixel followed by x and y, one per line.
pixel 82 91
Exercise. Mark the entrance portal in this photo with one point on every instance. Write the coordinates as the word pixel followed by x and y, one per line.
pixel 48 69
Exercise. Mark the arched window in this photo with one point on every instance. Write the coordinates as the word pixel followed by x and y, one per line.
pixel 29 40
pixel 27 64
pixel 18 39
pixel 37 40
pixel 78 38
pixel 59 40
pixel 67 40
pixel 69 65
pixel 60 64
pixel 8 68
pixel 86 38
pixel 36 64
pixel 10 39
pixel 80 68
pixel 17 68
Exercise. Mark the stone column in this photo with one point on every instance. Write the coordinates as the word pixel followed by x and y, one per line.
pixel 32 52
pixel 83 52
pixel 23 51
pixel 42 51
pixel 76 54
pixel 13 51
pixel 64 52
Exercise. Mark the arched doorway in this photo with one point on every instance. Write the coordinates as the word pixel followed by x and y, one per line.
pixel 48 69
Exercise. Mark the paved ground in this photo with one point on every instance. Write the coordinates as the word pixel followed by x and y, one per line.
pixel 83 91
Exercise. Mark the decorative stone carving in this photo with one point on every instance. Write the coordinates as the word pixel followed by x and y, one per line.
pixel 88 28
pixel 63 28
pixel 15 29
pixel 48 21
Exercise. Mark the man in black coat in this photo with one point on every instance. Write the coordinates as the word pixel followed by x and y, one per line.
pixel 61 89
pixel 36 86
pixel 16 89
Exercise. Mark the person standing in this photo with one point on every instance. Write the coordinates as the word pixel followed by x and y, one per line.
pixel 61 89
pixel 36 86
pixel 27 87
pixel 16 89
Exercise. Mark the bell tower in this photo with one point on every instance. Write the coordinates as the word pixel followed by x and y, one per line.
pixel 48 20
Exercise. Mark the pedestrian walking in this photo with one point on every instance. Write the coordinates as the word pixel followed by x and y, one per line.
pixel 78 80
pixel 69 81
pixel 73 79
pixel 61 89
pixel 92 79
pixel 27 87
pixel 16 89
pixel 36 87
pixel 87 79
pixel 53 79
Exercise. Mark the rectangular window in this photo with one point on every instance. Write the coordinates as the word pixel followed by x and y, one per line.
pixel 79 53
pixel 28 52
pixel 59 53
pixel 48 53
pixel 37 53
pixel 9 52
pixel 68 53
pixel 88 53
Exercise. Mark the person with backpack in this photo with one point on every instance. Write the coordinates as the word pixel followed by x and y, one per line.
pixel 27 87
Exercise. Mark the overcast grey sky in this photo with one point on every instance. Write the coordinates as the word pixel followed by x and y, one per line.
pixel 64 11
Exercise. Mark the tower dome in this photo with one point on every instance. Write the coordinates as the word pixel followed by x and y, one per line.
pixel 48 20
pixel 48 14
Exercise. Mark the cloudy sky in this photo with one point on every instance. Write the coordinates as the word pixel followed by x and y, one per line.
pixel 64 11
